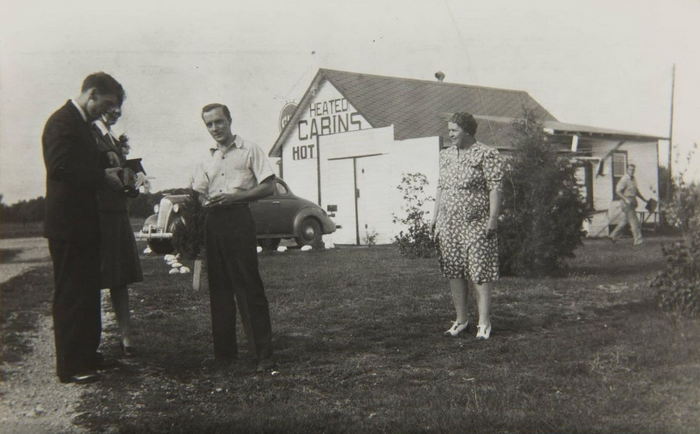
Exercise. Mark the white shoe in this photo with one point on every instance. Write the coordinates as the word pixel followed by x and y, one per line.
pixel 483 331
pixel 456 328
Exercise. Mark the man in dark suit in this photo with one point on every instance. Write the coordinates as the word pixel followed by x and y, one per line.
pixel 73 175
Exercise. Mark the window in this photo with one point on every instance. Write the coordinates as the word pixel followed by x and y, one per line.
pixel 619 168
pixel 281 190
pixel 584 182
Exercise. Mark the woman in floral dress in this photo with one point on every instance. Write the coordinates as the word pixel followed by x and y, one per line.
pixel 467 205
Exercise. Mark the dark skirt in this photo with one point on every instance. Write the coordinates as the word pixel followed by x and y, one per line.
pixel 119 256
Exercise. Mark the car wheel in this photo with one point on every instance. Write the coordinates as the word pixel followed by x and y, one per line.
pixel 160 247
pixel 269 243
pixel 309 232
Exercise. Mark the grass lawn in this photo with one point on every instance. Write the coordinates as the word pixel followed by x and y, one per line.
pixel 358 339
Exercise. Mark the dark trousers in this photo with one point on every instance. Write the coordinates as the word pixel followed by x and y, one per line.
pixel 77 321
pixel 232 265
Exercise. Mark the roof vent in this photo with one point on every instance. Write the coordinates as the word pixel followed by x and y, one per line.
pixel 440 76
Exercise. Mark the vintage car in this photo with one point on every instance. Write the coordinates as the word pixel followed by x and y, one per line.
pixel 280 215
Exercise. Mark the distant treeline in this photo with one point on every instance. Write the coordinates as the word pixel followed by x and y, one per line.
pixel 32 210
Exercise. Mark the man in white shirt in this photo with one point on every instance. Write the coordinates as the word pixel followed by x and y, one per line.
pixel 628 192
pixel 234 173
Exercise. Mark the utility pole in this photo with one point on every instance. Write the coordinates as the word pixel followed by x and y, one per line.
pixel 669 186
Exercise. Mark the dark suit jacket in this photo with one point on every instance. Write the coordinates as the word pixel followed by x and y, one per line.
pixel 73 175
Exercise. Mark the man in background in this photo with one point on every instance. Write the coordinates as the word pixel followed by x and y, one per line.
pixel 73 175
pixel 628 192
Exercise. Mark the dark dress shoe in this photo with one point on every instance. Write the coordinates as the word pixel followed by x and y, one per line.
pixel 84 378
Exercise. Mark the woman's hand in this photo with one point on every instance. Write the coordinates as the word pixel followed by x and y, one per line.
pixel 113 159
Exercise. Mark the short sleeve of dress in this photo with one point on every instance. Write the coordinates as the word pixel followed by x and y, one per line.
pixel 493 169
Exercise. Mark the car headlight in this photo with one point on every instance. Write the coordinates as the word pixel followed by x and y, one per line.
pixel 156 207
pixel 176 207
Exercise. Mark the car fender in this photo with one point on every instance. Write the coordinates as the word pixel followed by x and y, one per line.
pixel 311 212
pixel 150 221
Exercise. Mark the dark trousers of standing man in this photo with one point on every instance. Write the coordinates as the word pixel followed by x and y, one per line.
pixel 232 264
pixel 77 321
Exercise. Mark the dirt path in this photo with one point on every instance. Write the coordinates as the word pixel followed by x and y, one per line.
pixel 33 401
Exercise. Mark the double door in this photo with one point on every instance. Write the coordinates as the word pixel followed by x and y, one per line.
pixel 357 190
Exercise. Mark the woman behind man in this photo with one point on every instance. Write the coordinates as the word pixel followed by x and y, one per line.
pixel 467 205
pixel 118 253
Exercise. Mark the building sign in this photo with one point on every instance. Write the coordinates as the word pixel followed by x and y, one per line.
pixel 286 114
pixel 303 152
pixel 328 117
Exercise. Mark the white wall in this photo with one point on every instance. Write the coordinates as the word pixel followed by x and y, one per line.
pixel 362 157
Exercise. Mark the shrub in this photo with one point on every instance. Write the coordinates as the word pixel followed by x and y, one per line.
pixel 542 210
pixel 188 237
pixel 416 241
pixel 678 284
pixel 142 205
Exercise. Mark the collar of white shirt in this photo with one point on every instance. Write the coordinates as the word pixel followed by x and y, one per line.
pixel 80 109
pixel 102 127
pixel 237 142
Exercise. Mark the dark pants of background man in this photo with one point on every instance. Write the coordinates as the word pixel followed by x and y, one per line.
pixel 232 265
pixel 77 318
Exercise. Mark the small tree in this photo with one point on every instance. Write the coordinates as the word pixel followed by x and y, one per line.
pixel 416 240
pixel 542 211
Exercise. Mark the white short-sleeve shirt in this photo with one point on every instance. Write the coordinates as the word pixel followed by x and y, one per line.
pixel 241 166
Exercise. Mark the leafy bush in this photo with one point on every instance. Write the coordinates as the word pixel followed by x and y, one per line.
pixel 682 210
pixel 188 237
pixel 416 241
pixel 542 210
pixel 678 285
pixel 142 205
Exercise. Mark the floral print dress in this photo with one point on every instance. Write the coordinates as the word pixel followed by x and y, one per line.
pixel 466 178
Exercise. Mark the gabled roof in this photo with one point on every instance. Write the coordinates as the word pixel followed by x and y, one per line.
pixel 556 127
pixel 417 108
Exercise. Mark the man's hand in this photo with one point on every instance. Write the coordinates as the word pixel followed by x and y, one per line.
pixel 226 199
pixel 113 178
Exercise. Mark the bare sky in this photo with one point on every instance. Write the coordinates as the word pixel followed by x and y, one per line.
pixel 601 63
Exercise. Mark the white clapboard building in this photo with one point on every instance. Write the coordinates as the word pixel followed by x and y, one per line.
pixel 353 135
